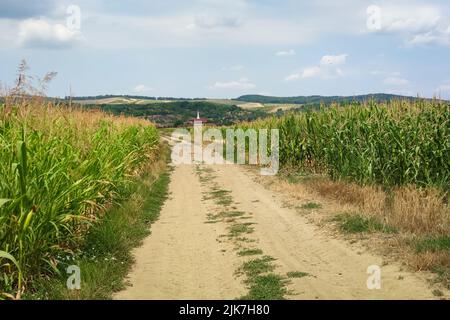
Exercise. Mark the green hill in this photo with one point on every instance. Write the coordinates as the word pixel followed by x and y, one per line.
pixel 316 99
pixel 177 113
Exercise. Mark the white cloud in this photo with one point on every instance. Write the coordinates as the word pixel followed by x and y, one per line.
pixel 8 32
pixel 287 53
pixel 396 81
pixel 216 15
pixel 333 60
pixel 417 24
pixel 183 29
pixel 431 37
pixel 327 68
pixel 410 18
pixel 141 88
pixel 241 84
pixel 40 33
pixel 311 72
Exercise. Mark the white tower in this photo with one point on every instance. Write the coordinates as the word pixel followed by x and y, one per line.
pixel 198 139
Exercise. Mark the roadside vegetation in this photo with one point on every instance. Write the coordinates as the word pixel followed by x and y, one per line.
pixel 62 169
pixel 105 257
pixel 356 223
pixel 390 144
pixel 390 160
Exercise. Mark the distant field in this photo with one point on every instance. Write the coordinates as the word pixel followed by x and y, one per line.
pixel 270 107
pixel 225 101
pixel 251 105
pixel 269 104
pixel 274 107
pixel 118 101
pixel 125 100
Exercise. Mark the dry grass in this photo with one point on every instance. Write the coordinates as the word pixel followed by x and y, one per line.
pixel 428 260
pixel 409 209
pixel 420 216
pixel 421 211
pixel 53 119
pixel 439 262
pixel 416 213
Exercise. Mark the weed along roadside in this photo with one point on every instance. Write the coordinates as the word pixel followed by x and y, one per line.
pixel 105 257
pixel 64 173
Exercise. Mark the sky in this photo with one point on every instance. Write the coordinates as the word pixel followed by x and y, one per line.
pixel 228 48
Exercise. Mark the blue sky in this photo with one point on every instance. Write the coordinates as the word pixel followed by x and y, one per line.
pixel 226 48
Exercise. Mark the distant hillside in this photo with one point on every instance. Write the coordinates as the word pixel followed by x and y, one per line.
pixel 177 113
pixel 379 97
pixel 118 96
pixel 133 99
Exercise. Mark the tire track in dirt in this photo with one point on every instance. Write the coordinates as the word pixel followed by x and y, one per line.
pixel 337 271
pixel 186 257
pixel 182 258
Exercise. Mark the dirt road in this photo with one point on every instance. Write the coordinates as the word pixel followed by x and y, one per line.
pixel 182 258
pixel 186 257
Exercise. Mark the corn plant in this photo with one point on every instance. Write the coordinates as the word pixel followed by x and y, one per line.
pixel 59 169
pixel 397 143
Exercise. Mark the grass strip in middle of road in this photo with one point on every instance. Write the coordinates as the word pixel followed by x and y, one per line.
pixel 262 282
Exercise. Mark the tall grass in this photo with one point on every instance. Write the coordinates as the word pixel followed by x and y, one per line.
pixel 392 144
pixel 59 169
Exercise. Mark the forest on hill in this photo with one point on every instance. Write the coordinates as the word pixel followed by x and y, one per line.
pixel 317 99
pixel 178 113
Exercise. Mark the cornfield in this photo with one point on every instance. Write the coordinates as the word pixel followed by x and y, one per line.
pixel 391 144
pixel 59 169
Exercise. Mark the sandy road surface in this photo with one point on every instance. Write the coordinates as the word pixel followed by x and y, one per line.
pixel 184 259
pixel 337 269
